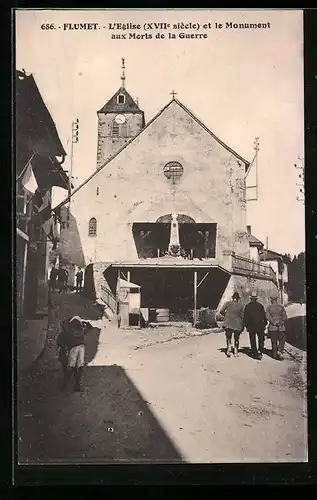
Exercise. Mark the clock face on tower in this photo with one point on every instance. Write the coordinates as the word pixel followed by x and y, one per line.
pixel 120 119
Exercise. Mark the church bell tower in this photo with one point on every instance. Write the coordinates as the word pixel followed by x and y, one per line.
pixel 119 120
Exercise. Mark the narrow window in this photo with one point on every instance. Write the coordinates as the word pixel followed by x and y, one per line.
pixel 92 227
pixel 97 191
pixel 121 99
pixel 115 129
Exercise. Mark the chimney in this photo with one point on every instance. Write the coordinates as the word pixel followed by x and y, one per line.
pixel 249 229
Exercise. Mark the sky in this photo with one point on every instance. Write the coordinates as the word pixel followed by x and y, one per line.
pixel 242 83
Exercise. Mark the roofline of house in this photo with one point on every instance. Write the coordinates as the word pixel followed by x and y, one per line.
pixel 277 254
pixel 50 123
pixel 137 135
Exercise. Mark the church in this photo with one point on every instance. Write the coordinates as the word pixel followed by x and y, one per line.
pixel 164 210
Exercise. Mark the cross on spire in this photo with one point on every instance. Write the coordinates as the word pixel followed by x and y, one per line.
pixel 173 93
pixel 123 72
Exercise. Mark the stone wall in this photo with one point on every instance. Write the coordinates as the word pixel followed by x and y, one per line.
pixel 244 286
pixel 108 145
pixel 71 239
pixel 99 279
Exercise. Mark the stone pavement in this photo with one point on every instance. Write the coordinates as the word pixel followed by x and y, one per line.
pixel 163 394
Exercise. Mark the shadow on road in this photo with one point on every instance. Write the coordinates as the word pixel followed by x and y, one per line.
pixel 223 350
pixel 247 351
pixel 109 421
pixel 296 332
pixel 92 344
pixel 71 303
pixel 242 350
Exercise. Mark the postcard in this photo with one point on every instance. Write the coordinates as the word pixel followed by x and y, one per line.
pixel 160 236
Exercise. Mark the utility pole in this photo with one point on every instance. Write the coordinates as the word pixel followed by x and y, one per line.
pixel 255 161
pixel 256 149
pixel 301 176
pixel 75 139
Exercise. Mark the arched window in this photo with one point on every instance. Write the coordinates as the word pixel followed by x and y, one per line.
pixel 92 227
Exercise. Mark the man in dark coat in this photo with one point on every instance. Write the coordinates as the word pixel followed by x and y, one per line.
pixel 255 321
pixel 53 278
pixel 62 279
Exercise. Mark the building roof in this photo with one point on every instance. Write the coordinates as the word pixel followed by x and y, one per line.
pixel 171 262
pixel 270 255
pixel 36 136
pixel 246 162
pixel 127 284
pixel 35 128
pixel 254 242
pixel 129 106
pixel 48 172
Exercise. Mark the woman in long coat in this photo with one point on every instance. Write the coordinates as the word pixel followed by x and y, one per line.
pixel 233 322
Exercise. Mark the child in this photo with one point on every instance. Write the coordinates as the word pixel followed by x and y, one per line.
pixel 71 342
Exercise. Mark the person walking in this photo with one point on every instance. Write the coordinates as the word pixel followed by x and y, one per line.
pixel 255 322
pixel 79 280
pixel 71 342
pixel 62 279
pixel 233 322
pixel 276 316
pixel 65 280
pixel 53 278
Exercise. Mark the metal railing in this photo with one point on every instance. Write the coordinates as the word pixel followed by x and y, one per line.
pixel 252 267
pixel 108 297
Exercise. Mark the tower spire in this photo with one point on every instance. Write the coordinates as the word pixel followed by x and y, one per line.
pixel 122 73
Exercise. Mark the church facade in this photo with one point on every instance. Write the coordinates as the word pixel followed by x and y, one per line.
pixel 165 209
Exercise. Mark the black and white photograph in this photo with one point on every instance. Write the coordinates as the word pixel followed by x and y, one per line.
pixel 160 236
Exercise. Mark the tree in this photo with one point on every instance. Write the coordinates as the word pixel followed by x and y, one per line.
pixel 287 258
pixel 296 278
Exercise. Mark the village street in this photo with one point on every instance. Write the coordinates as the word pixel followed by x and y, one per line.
pixel 164 395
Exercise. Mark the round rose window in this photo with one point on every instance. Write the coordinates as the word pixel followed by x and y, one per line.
pixel 173 170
